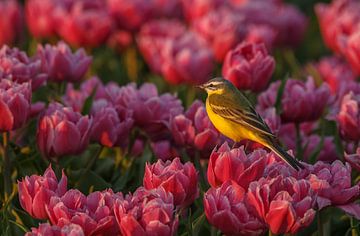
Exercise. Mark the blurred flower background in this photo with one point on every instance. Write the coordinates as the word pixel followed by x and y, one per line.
pixel 104 133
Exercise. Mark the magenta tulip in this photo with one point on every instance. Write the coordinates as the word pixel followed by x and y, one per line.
pixel 349 117
pixel 35 192
pixel 53 230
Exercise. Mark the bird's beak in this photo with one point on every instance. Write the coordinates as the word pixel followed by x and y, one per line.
pixel 200 86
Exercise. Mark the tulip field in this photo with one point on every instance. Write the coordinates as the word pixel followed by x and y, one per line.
pixel 103 130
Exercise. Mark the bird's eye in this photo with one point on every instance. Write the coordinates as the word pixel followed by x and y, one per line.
pixel 211 85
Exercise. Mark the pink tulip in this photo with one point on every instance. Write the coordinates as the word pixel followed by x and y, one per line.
pixel 182 130
pixel 40 17
pixel 349 117
pixel 332 183
pixel 130 14
pixel 284 203
pixel 93 213
pixel 61 131
pixel 194 9
pixel 233 164
pixel 164 150
pixel 109 126
pixel 352 51
pixel 84 23
pixel 261 33
pixel 15 104
pixel 17 65
pixel 179 179
pixel 35 192
pixel 222 22
pixel 63 65
pixel 335 72
pixel 354 159
pixel 10 21
pixel 45 229
pixel 249 66
pixel 206 136
pixel 146 212
pixel 300 102
pixel 226 209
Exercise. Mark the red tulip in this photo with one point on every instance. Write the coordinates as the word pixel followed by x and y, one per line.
pixel 61 131
pixel 224 22
pixel 40 17
pixel 284 203
pixel 335 72
pixel 35 192
pixel 226 209
pixel 249 66
pixel 349 117
pixel 15 104
pixel 10 21
pixel 352 51
pixel 53 230
pixel 17 65
pixel 84 23
pixel 300 102
pixel 61 64
pixel 233 164
pixel 194 9
pixel 146 212
pixel 179 179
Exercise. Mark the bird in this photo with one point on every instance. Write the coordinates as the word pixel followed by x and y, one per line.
pixel 233 115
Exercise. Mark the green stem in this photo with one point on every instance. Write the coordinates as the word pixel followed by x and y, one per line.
pixel 7 167
pixel 320 224
pixel 298 142
pixel 353 227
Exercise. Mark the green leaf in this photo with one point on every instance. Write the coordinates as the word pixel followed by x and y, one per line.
pixel 280 94
pixel 90 180
pixel 197 224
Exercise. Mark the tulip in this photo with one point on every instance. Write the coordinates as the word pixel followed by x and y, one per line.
pixel 61 131
pixel 17 65
pixel 120 40
pixel 349 117
pixel 352 51
pixel 10 21
pixel 206 136
pixel 332 183
pixel 109 127
pixel 15 104
pixel 182 130
pixel 35 192
pixel 287 206
pixel 47 229
pixel 63 65
pixel 146 212
pixel 194 9
pixel 300 102
pixel 84 23
pixel 335 72
pixel 179 179
pixel 226 209
pixel 164 150
pixel 40 17
pixel 130 14
pixel 222 22
pixel 233 164
pixel 354 159
pixel 261 33
pixel 249 66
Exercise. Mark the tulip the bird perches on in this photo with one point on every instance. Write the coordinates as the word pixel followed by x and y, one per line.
pixel 233 115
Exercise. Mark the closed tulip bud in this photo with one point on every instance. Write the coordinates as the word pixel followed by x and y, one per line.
pixel 61 131
pixel 179 179
pixel 110 127
pixel 288 205
pixel 35 192
pixel 40 17
pixel 222 22
pixel 10 21
pixel 15 104
pixel 233 164
pixel 182 130
pixel 61 64
pixel 300 102
pixel 84 23
pixel 146 212
pixel 249 66
pixel 17 65
pixel 226 209
pixel 349 117
pixel 54 230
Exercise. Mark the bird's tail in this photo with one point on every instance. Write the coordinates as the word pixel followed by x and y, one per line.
pixel 294 163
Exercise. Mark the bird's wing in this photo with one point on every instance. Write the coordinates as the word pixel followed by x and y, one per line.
pixel 238 113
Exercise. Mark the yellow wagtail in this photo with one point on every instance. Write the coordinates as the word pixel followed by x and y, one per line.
pixel 233 115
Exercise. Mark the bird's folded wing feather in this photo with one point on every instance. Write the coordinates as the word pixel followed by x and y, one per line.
pixel 238 113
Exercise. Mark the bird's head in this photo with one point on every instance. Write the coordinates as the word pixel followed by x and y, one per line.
pixel 217 86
